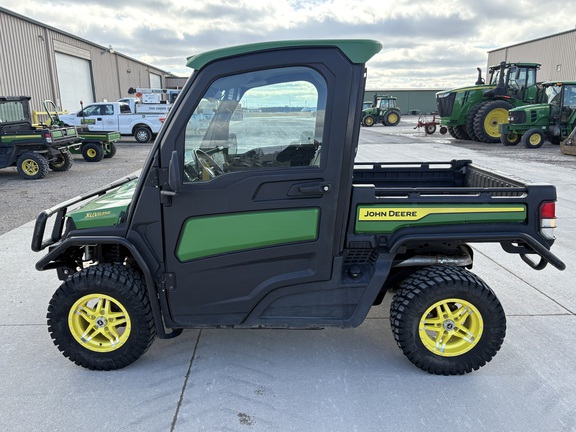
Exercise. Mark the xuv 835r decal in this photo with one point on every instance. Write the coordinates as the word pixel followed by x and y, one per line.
pixel 388 218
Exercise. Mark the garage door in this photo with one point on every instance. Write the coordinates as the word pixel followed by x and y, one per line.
pixel 155 81
pixel 74 80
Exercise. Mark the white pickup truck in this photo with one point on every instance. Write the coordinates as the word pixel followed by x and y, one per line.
pixel 117 116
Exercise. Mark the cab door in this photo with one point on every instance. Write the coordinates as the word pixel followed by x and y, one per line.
pixel 99 117
pixel 264 147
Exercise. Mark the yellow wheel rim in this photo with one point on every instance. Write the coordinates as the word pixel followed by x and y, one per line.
pixel 369 121
pixel 91 153
pixel 534 139
pixel 451 327
pixel 392 118
pixel 99 323
pixel 493 119
pixel 30 167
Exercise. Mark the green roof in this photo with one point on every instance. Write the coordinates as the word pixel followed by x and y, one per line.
pixel 357 50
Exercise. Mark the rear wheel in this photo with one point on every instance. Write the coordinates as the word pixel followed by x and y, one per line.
pixel 489 116
pixel 392 118
pixel 368 121
pixel 32 166
pixel 533 138
pixel 101 319
pixel 111 152
pixel 62 162
pixel 143 135
pixel 447 321
pixel 92 152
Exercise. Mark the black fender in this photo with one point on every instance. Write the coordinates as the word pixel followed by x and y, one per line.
pixel 57 251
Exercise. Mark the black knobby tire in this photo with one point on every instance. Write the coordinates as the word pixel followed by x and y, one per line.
pixel 86 340
pixel 143 135
pixel 458 291
pixel 451 132
pixel 62 162
pixel 111 152
pixel 32 166
pixel 392 118
pixel 460 132
pixel 533 138
pixel 368 121
pixel 487 119
pixel 510 139
pixel 92 152
pixel 470 120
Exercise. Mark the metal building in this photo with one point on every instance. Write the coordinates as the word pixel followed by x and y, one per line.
pixel 556 54
pixel 410 101
pixel 46 63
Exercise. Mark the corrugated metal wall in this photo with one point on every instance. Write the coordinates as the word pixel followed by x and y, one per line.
pixel 417 101
pixel 28 63
pixel 556 53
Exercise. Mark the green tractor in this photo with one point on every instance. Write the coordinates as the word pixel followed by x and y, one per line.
pixel 553 119
pixel 475 112
pixel 384 109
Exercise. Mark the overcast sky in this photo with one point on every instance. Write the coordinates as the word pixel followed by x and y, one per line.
pixel 427 44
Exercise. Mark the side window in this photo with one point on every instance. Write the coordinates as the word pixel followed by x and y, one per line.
pixel 108 110
pixel 91 111
pixel 269 119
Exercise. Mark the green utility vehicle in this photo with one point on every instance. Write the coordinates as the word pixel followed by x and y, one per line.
pixel 33 150
pixel 552 120
pixel 475 112
pixel 94 145
pixel 268 222
pixel 384 109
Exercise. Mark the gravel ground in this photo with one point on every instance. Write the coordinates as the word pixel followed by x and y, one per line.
pixel 21 200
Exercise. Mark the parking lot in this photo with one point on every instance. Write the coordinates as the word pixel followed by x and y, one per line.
pixel 288 380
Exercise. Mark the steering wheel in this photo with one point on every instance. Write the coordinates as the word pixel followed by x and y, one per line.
pixel 207 164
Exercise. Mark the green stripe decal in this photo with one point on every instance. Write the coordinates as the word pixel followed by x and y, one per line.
pixel 389 218
pixel 214 235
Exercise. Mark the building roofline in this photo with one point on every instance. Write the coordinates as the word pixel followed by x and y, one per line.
pixel 57 30
pixel 532 40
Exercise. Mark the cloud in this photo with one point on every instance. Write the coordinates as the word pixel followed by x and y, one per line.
pixel 427 44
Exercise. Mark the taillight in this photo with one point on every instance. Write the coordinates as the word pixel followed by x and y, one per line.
pixel 48 137
pixel 548 220
pixel 162 119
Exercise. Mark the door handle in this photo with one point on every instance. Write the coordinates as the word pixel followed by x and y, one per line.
pixel 315 189
pixel 309 189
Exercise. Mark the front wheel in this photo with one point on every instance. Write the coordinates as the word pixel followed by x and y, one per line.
pixel 447 321
pixel 101 318
pixel 143 135
pixel 368 121
pixel 430 129
pixel 533 138
pixel 92 152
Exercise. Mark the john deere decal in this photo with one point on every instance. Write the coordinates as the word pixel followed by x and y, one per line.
pixel 389 218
